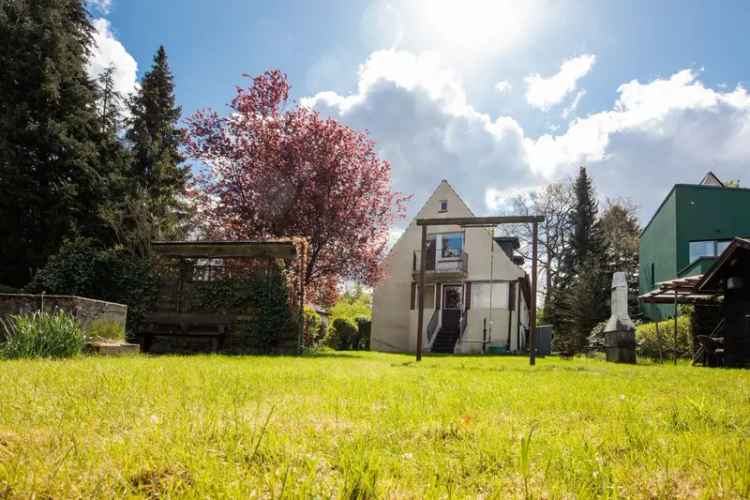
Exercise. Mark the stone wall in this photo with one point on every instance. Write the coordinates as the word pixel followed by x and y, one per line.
pixel 86 310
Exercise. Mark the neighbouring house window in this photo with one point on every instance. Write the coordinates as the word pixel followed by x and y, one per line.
pixel 721 246
pixel 708 248
pixel 511 296
pixel 443 205
pixel 481 292
pixel 453 245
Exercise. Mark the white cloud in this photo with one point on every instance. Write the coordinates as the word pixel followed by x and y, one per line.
pixel 101 6
pixel 543 93
pixel 503 86
pixel 109 50
pixel 416 111
pixel 655 134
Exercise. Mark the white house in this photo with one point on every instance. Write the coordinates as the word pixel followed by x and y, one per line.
pixel 476 293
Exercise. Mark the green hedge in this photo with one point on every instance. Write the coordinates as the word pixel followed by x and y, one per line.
pixel 82 267
pixel 661 345
pixel 342 334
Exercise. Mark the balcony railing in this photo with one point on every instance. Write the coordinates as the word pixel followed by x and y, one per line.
pixel 442 265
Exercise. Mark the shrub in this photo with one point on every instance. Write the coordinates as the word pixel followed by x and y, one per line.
pixel 42 335
pixel 342 333
pixel 313 332
pixel 364 326
pixel 658 346
pixel 82 267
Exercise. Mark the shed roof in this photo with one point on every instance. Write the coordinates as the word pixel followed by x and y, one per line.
pixel 707 287
pixel 735 259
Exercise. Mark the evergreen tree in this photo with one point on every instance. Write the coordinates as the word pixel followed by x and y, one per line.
pixel 588 240
pixel 156 139
pixel 580 300
pixel 54 173
pixel 109 103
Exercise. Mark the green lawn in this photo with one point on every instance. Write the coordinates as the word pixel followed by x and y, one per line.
pixel 366 424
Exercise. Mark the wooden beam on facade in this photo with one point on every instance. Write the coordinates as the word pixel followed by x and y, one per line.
pixel 481 221
pixel 225 249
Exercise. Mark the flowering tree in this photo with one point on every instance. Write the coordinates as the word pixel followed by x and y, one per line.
pixel 277 172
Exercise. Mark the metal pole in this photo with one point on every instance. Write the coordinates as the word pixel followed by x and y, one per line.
pixel 532 308
pixel 674 345
pixel 301 280
pixel 420 293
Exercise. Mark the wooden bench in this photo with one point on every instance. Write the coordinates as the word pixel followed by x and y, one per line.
pixel 162 324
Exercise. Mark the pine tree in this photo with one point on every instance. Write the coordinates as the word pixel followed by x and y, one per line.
pixel 54 174
pixel 109 103
pixel 579 301
pixel 588 240
pixel 156 139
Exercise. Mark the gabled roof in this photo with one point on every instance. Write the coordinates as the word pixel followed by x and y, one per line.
pixel 420 212
pixel 710 179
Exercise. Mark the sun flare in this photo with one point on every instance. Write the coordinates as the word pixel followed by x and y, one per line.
pixel 476 24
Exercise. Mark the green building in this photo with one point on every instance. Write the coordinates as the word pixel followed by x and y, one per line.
pixel 691 227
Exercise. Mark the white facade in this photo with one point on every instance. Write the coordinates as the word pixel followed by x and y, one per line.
pixel 471 280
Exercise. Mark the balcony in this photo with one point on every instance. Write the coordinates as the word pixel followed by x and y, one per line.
pixel 441 269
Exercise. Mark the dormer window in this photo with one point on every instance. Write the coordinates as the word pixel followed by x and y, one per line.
pixel 443 205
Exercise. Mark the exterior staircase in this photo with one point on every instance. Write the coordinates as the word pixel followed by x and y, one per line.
pixel 445 341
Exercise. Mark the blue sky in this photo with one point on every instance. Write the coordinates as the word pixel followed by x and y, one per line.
pixel 499 97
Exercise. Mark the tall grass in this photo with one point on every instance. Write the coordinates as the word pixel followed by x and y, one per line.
pixel 41 335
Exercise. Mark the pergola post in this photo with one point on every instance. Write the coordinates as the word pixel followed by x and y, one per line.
pixel 532 306
pixel 674 345
pixel 420 293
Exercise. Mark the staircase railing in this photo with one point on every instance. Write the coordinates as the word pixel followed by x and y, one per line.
pixel 462 325
pixel 432 326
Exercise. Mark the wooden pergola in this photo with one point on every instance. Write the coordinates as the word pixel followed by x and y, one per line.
pixel 492 222
pixel 287 249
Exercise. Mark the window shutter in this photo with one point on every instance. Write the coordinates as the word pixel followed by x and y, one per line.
pixel 511 296
pixel 413 295
pixel 467 299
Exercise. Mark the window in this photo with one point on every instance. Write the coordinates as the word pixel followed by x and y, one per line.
pixel 207 270
pixel 708 248
pixel 443 205
pixel 453 245
pixel 480 295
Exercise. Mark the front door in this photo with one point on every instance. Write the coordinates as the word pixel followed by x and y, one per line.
pixel 452 305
